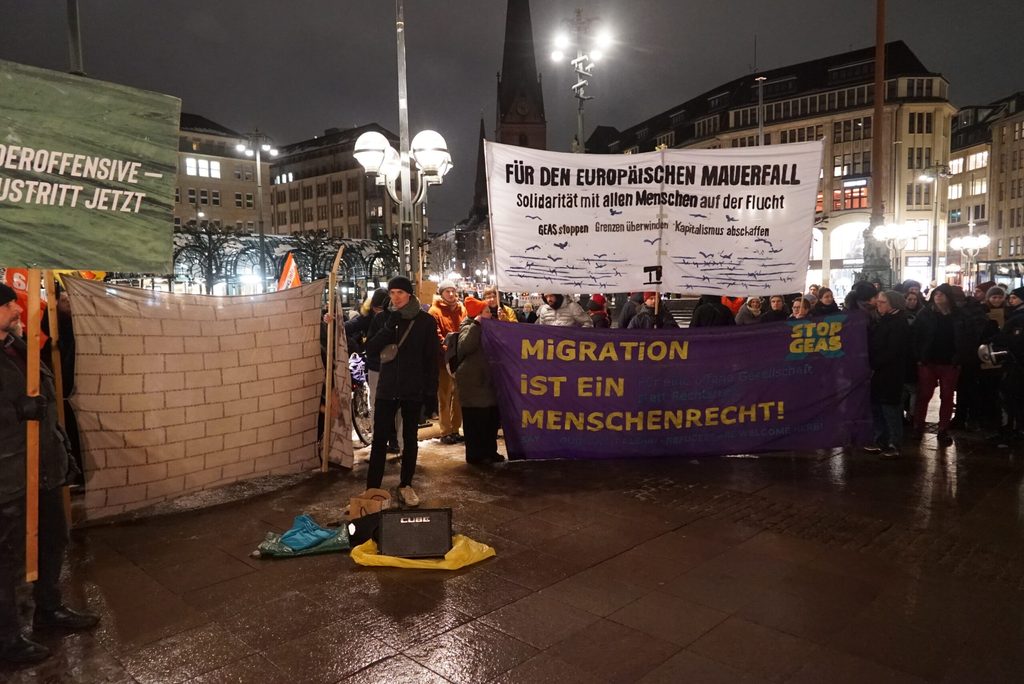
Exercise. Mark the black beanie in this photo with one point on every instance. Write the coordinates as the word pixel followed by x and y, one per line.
pixel 400 283
pixel 7 294
pixel 380 298
pixel 1018 293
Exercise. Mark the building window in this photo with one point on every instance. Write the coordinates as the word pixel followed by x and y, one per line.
pixel 204 197
pixel 919 157
pixel 321 212
pixel 307 192
pixel 250 225
pixel 850 198
pixel 919 194
pixel 956 165
pixel 238 200
pixel 215 198
pixel 978 160
pixel 191 195
pixel 177 195
pixel 919 122
pixel 295 215
pixel 956 191
pixel 979 186
pixel 190 166
pixel 214 169
pixel 321 189
pixel 338 210
pixel 337 187
pixel 282 218
pixel 238 226
pixel 248 200
pixel 978 212
pixel 919 87
pixel 248 173
pixel 707 126
pixel 954 216
pixel 177 222
pixel 353 208
pixel 307 214
pixel 665 139
pixel 238 172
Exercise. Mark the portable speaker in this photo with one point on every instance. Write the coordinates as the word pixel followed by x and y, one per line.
pixel 415 533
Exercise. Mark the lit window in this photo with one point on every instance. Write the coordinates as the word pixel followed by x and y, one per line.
pixel 978 160
pixel 956 191
pixel 204 168
pixel 956 165
pixel 190 166
pixel 214 169
pixel 979 186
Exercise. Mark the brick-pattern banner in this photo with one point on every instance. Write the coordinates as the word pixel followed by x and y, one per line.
pixel 177 393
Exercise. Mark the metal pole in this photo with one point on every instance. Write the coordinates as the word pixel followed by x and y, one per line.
pixel 257 143
pixel 74 40
pixel 579 115
pixel 935 232
pixel 877 128
pixel 410 268
pixel 760 110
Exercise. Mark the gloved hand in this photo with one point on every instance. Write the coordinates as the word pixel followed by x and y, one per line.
pixel 30 408
pixel 430 404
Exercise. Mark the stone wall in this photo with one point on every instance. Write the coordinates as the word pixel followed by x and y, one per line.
pixel 178 393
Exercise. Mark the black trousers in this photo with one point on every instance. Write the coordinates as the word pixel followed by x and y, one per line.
pixel 53 540
pixel 480 424
pixel 384 411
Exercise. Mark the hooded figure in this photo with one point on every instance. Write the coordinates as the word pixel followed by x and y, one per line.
pixel 750 314
pixel 556 310
pixel 711 312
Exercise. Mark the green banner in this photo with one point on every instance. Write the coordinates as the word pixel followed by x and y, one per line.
pixel 87 173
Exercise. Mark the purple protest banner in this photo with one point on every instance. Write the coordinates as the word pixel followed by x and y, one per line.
pixel 585 393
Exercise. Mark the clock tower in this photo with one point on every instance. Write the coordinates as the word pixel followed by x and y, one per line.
pixel 520 98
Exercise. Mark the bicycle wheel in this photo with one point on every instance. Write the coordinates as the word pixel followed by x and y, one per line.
pixel 362 421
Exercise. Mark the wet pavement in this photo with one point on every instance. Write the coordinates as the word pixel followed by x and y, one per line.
pixel 812 567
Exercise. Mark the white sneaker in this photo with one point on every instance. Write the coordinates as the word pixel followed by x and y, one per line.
pixel 407 495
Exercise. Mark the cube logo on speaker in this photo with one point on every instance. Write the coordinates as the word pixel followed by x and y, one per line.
pixel 423 534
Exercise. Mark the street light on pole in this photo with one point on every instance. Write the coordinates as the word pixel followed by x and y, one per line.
pixel 258 143
pixel 428 151
pixel 932 175
pixel 381 161
pixel 969 246
pixel 583 64
pixel 896 237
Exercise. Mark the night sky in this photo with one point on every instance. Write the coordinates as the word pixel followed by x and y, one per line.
pixel 295 68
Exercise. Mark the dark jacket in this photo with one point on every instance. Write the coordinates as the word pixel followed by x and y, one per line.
pixel 476 390
pixel 820 309
pixel 54 464
pixel 356 330
pixel 888 351
pixel 413 373
pixel 599 315
pixel 711 312
pixel 929 341
pixel 630 308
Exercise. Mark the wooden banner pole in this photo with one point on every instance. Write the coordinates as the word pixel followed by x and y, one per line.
pixel 32 434
pixel 332 285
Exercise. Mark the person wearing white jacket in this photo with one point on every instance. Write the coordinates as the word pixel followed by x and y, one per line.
pixel 560 310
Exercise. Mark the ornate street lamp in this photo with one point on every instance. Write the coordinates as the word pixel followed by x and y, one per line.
pixel 428 151
pixel 896 237
pixel 969 246
pixel 589 50
pixel 258 143
pixel 429 154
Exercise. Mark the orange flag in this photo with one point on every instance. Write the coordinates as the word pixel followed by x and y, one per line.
pixel 289 274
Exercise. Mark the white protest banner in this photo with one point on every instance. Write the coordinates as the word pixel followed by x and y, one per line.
pixel 735 221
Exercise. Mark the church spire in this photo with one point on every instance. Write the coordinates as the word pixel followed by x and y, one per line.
pixel 520 97
pixel 480 192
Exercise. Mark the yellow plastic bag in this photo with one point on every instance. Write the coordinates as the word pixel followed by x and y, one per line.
pixel 464 552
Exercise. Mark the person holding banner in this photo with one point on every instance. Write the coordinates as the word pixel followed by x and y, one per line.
pixel 54 472
pixel 409 353
pixel 448 313
pixel 476 390
pixel 499 311
pixel 562 311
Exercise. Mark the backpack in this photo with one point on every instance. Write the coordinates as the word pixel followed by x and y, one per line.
pixel 451 354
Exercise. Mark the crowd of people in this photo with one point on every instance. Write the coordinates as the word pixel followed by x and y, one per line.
pixel 917 344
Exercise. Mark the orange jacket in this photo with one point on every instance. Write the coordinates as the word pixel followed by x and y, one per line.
pixel 448 317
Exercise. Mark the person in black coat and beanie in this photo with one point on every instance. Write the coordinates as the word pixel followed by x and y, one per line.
pixel 408 382
pixel 888 349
